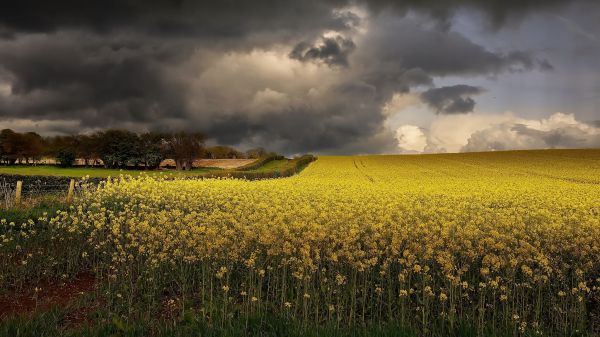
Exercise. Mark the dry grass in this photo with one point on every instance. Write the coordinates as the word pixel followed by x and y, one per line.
pixel 220 163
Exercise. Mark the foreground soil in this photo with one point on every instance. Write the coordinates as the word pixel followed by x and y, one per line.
pixel 45 295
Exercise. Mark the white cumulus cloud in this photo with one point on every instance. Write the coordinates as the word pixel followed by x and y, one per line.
pixel 411 138
pixel 496 132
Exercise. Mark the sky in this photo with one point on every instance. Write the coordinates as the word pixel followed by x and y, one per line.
pixel 298 76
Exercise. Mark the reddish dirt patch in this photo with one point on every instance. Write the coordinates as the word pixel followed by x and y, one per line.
pixel 48 294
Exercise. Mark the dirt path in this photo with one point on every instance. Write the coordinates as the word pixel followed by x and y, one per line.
pixel 43 296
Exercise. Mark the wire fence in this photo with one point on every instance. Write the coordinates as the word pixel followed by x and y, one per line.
pixel 14 193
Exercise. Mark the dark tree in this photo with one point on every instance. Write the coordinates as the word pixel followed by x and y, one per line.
pixel 61 144
pixel 6 145
pixel 33 147
pixel 13 146
pixel 256 153
pixel 88 148
pixel 65 157
pixel 115 148
pixel 184 148
pixel 223 152
pixel 153 149
pixel 118 148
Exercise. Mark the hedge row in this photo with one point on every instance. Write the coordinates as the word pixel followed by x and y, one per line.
pixel 56 183
pixel 260 162
pixel 292 167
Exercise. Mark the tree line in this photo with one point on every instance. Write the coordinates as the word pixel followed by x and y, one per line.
pixel 114 149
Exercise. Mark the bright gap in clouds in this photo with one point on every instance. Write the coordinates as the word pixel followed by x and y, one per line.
pixel 411 138
pixel 497 132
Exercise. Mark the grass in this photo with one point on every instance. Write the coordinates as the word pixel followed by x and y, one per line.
pixel 273 165
pixel 94 172
pixel 23 213
pixel 277 165
pixel 55 322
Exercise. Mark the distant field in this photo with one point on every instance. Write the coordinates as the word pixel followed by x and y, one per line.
pixel 223 163
pixel 77 172
pixel 218 163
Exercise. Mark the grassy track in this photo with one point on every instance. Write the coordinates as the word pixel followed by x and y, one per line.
pixel 273 165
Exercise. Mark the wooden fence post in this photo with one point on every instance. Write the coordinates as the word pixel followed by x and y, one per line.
pixel 18 192
pixel 70 194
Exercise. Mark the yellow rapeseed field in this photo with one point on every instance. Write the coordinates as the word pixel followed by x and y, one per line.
pixel 499 241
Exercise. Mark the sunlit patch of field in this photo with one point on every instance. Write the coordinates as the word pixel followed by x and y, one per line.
pixel 218 163
pixel 504 243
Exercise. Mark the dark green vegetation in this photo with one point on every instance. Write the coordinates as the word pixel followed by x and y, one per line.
pixel 114 149
pixel 274 165
pixel 271 166
pixel 33 209
pixel 59 322
pixel 261 162
pixel 94 172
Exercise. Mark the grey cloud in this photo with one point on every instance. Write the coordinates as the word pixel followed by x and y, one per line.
pixel 451 100
pixel 231 17
pixel 509 136
pixel 332 51
pixel 398 55
pixel 499 12
pixel 340 122
pixel 595 124
pixel 126 64
pixel 143 82
pixel 212 18
pixel 444 53
pixel 71 77
pixel 570 136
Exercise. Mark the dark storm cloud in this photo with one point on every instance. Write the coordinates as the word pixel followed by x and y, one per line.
pixel 454 99
pixel 344 120
pixel 332 51
pixel 443 53
pixel 498 11
pixel 230 17
pixel 95 81
pixel 212 18
pixel 146 64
